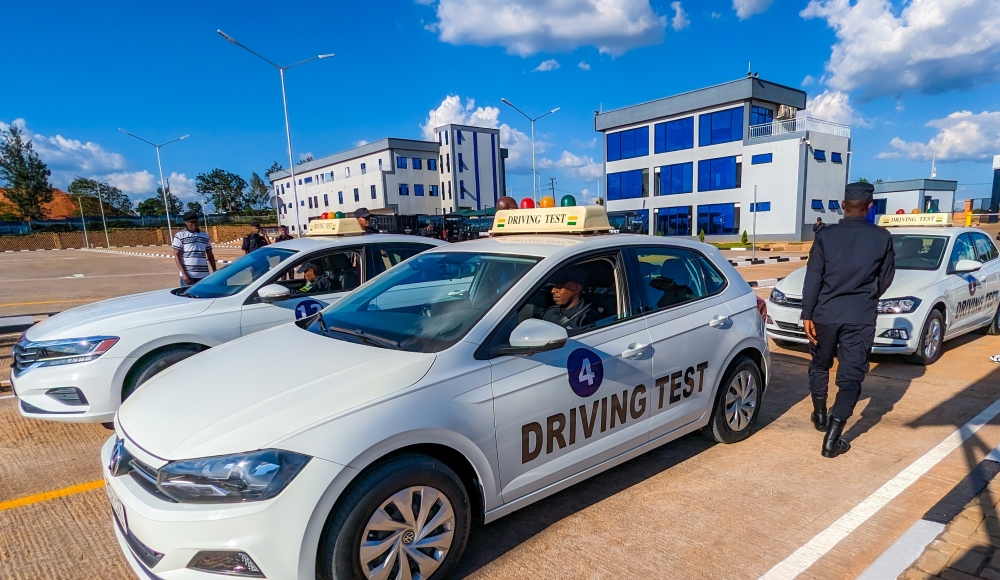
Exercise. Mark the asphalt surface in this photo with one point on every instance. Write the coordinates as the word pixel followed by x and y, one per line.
pixel 689 509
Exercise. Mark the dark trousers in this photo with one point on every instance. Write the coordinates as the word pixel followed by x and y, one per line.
pixel 852 345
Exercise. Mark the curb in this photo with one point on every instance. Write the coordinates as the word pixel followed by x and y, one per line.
pixel 743 263
pixel 765 283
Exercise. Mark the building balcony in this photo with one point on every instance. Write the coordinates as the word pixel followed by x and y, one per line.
pixel 798 125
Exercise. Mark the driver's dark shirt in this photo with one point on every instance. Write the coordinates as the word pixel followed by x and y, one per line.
pixel 580 316
pixel 320 285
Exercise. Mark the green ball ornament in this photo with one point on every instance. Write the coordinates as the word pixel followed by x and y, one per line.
pixel 338 215
pixel 567 201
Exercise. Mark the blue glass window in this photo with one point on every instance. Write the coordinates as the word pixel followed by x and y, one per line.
pixel 373 192
pixel 357 197
pixel 458 137
pixel 720 127
pixel 418 190
pixel 308 180
pixel 445 137
pixel 833 205
pixel 432 164
pixel 760 115
pixel 676 179
pixel 628 184
pixel 719 219
pixel 716 174
pixel 363 170
pixel 673 135
pixel 461 189
pixel 404 189
pixel 762 158
pixel 819 155
pixel 340 197
pixel 674 221
pixel 817 204
pixel 836 158
pixel 461 164
pixel 433 190
pixel 326 200
pixel 761 206
pixel 880 206
pixel 401 162
pixel 628 144
pixel 416 164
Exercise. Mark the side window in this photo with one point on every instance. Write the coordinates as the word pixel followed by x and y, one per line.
pixel 388 255
pixel 964 250
pixel 335 271
pixel 672 276
pixel 984 245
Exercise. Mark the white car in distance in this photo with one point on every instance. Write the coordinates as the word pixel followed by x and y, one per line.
pixel 439 393
pixel 79 365
pixel 947 284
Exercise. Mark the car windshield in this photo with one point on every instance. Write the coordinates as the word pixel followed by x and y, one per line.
pixel 238 275
pixel 918 252
pixel 425 304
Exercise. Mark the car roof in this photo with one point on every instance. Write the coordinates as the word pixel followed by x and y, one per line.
pixel 315 243
pixel 556 245
pixel 948 231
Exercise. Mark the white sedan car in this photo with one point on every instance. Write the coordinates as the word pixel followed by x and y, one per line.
pixel 79 365
pixel 947 283
pixel 447 390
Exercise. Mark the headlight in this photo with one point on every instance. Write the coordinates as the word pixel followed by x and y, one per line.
pixel 255 476
pixel 71 350
pixel 778 297
pixel 898 305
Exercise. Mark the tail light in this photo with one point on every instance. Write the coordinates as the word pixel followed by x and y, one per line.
pixel 762 308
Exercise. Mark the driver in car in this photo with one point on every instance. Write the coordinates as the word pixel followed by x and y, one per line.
pixel 315 281
pixel 570 311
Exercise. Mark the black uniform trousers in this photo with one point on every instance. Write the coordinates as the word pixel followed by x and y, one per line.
pixel 852 345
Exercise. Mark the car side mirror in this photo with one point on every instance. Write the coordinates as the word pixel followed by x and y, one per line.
pixel 274 293
pixel 966 266
pixel 534 335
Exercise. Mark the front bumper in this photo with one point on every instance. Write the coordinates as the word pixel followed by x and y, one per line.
pixel 785 323
pixel 280 535
pixel 95 380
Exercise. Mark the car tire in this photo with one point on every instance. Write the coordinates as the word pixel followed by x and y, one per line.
pixel 931 341
pixel 993 328
pixel 361 516
pixel 737 403
pixel 151 365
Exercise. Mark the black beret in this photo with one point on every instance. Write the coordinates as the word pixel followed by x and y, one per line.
pixel 859 192
pixel 190 216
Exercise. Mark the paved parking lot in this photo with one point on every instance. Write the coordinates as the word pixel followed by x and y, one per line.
pixel 689 509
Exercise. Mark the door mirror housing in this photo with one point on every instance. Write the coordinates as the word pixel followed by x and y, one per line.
pixel 274 293
pixel 534 335
pixel 966 266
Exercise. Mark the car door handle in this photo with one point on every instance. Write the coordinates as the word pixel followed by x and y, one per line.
pixel 634 350
pixel 982 279
pixel 718 320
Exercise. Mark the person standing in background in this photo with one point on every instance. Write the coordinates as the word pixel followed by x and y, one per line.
pixel 256 239
pixel 818 225
pixel 192 251
pixel 283 236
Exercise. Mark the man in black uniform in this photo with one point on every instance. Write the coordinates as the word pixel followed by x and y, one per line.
pixel 254 240
pixel 850 265
pixel 364 220
pixel 283 235
pixel 570 311
pixel 315 282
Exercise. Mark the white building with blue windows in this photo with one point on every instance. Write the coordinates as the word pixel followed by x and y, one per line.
pixel 689 163
pixel 463 169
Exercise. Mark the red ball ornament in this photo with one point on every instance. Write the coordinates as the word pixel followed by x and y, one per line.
pixel 527 203
pixel 900 211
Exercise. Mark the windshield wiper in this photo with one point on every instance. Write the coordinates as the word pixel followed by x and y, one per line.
pixel 370 338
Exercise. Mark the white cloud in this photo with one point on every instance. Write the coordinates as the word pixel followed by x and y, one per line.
pixel 962 136
pixel 305 155
pixel 573 165
pixel 360 142
pixel 527 27
pixel 547 65
pixel 134 182
pixel 929 46
pixel 583 65
pixel 808 80
pixel 834 106
pixel 182 186
pixel 680 20
pixel 747 8
pixel 715 15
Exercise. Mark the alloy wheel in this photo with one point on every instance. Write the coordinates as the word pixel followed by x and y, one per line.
pixel 741 400
pixel 408 536
pixel 932 339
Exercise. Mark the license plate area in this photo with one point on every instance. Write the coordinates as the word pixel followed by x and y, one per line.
pixel 117 507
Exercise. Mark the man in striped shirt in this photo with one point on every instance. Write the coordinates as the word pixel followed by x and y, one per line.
pixel 192 251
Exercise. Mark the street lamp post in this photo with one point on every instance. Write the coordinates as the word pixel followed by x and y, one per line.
pixel 288 131
pixel 100 202
pixel 163 184
pixel 534 188
pixel 83 220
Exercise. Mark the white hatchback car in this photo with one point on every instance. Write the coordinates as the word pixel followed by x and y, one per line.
pixel 79 365
pixel 433 396
pixel 947 284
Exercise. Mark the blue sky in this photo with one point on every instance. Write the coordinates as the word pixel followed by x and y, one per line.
pixel 910 77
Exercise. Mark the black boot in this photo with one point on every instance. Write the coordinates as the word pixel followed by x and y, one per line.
pixel 819 417
pixel 833 445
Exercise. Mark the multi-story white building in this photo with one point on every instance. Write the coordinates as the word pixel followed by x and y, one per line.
pixel 691 162
pixel 463 170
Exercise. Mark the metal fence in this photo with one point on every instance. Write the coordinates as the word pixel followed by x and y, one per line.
pixel 788 126
pixel 94 223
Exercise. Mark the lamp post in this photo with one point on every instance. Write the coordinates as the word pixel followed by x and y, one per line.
pixel 163 184
pixel 534 188
pixel 83 220
pixel 288 131
pixel 100 202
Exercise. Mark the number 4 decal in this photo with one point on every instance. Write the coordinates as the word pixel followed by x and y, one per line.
pixel 585 371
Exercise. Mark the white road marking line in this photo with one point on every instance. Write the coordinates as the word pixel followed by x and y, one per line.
pixel 7 397
pixel 172 273
pixel 824 541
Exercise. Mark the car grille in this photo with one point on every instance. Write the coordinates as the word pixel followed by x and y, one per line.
pixel 787 326
pixel 25 355
pixel 146 477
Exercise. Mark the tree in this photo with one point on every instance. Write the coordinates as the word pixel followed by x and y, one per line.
pixel 195 206
pixel 223 189
pixel 258 195
pixel 744 239
pixel 862 180
pixel 305 160
pixel 25 174
pixel 151 207
pixel 701 236
pixel 274 167
pixel 115 201
pixel 176 208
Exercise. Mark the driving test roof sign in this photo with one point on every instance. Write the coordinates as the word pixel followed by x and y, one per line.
pixel 915 219
pixel 335 227
pixel 580 219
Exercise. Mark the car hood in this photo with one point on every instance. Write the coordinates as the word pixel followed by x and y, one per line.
pixel 248 393
pixel 905 283
pixel 109 317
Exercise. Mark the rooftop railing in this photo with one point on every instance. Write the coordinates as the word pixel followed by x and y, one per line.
pixel 798 125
